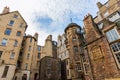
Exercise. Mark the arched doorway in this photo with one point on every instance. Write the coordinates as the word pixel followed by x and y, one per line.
pixel 24 77
pixel 35 76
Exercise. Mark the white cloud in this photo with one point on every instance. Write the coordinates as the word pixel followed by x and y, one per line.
pixel 60 11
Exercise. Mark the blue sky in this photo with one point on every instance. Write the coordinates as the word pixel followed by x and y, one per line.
pixel 51 16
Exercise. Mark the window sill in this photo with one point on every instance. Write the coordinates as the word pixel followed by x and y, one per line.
pixel 3 45
pixel 11 58
pixel 7 34
pixel 9 25
pixel 18 36
pixel 112 42
pixel 79 70
pixel 15 45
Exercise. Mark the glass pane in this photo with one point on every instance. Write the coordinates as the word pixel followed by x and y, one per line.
pixel 118 57
pixel 1 53
pixel 4 41
pixel 18 33
pixel 112 35
pixel 12 55
pixel 8 31
pixel 16 42
pixel 11 23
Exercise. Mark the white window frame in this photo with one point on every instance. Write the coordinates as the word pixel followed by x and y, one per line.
pixel 106 14
pixel 4 42
pixel 12 56
pixel 116 52
pixel 26 65
pixel 112 36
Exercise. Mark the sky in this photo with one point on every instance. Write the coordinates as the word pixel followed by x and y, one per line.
pixel 51 16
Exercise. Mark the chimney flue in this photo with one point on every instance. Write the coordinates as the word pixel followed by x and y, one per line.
pixel 5 10
pixel 99 5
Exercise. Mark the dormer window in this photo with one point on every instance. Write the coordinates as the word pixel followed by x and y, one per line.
pixel 15 16
pixel 106 14
pixel 114 17
pixel 21 25
pixel 107 5
pixel 78 30
pixel 100 26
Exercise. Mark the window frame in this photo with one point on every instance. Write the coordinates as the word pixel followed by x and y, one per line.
pixel 9 31
pixel 75 48
pixel 114 54
pixel 111 36
pixel 28 55
pixel 4 40
pixel 86 68
pixel 26 66
pixel 39 48
pixel 12 55
pixel 39 55
pixel 21 25
pixel 1 52
pixel 78 66
pixel 68 72
pixel 106 13
pixel 29 48
pixel 11 22
pixel 15 43
pixel 15 16
pixel 30 40
pixel 6 68
pixel 18 34
pixel 74 39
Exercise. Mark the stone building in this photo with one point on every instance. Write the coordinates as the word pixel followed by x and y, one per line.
pixel 27 61
pixel 34 67
pixel 19 54
pixel 50 68
pixel 50 47
pixel 63 54
pixel 73 41
pixel 36 63
pixel 12 30
pixel 50 65
pixel 102 41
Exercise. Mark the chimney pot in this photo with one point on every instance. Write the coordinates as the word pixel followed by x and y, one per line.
pixel 5 10
pixel 99 5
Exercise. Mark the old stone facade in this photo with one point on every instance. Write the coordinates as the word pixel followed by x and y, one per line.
pixel 63 54
pixel 27 60
pixel 90 55
pixel 50 47
pixel 50 65
pixel 102 41
pixel 50 68
pixel 73 42
pixel 19 53
pixel 12 30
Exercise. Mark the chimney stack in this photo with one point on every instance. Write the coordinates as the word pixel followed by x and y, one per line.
pixel 5 10
pixel 99 5
pixel 36 36
pixel 49 38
